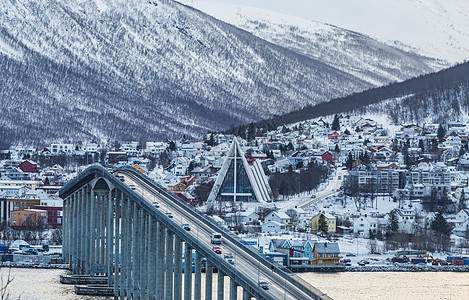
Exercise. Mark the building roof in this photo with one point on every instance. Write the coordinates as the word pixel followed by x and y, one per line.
pixel 327 247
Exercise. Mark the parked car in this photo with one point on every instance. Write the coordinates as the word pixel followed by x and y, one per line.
pixel 170 215
pixel 264 285
pixel 313 196
pixel 186 227
pixel 216 249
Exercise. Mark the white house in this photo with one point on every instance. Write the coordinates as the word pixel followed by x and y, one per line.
pixel 64 148
pixel 363 224
pixel 279 217
pixel 406 219
pixel 273 227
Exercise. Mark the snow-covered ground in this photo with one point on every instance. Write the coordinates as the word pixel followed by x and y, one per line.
pixel 437 28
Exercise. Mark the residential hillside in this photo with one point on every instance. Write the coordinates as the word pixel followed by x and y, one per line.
pixel 430 98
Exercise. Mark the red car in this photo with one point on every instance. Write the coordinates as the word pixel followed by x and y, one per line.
pixel 216 249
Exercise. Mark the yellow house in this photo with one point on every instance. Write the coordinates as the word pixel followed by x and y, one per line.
pixel 331 223
pixel 140 169
pixel 326 254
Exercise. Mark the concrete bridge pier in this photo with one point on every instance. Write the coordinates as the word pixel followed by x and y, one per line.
pixel 187 272
pixel 221 286
pixel 160 261
pixel 246 295
pixel 169 265
pixel 208 279
pixel 177 268
pixel 198 276
pixel 233 289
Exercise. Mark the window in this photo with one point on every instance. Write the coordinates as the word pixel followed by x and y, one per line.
pixel 14 214
pixel 25 214
pixel 59 220
pixel 14 221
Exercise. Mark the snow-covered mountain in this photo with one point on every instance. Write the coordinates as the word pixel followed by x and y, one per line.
pixel 435 28
pixel 123 69
pixel 348 51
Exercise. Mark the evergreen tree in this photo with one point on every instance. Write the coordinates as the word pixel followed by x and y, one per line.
pixel 349 162
pixel 441 133
pixel 439 225
pixel 322 224
pixel 335 123
pixel 421 145
pixel 393 222
pixel 347 132
pixel 172 146
pixel 337 149
pixel 462 201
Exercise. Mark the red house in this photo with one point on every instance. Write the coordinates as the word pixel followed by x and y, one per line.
pixel 328 157
pixel 54 215
pixel 29 167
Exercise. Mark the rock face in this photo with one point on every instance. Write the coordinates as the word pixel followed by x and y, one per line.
pixel 105 70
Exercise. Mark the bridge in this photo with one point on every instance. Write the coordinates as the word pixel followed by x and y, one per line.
pixel 113 229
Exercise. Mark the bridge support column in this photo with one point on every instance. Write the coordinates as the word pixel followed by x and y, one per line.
pixel 64 230
pixel 124 254
pixel 109 237
pixel 117 245
pixel 92 242
pixel 75 234
pixel 233 289
pixel 221 285
pixel 187 272
pixel 208 279
pixel 141 247
pixel 160 261
pixel 246 295
pixel 198 277
pixel 82 230
pixel 169 265
pixel 152 257
pixel 135 252
pixel 177 268
pixel 86 244
pixel 129 248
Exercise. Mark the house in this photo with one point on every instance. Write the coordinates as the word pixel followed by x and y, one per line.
pixel 61 148
pixel 29 167
pixel 54 215
pixel 279 217
pixel 363 225
pixel 326 254
pixel 273 227
pixel 28 217
pixel 330 220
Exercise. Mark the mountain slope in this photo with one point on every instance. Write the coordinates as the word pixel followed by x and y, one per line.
pixel 438 97
pixel 351 52
pixel 435 28
pixel 124 69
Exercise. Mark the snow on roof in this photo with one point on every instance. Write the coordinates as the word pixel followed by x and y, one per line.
pixel 327 247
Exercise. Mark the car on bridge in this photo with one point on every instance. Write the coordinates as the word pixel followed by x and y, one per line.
pixel 216 249
pixel 132 187
pixel 169 215
pixel 264 285
pixel 156 204
pixel 216 238
pixel 186 227
pixel 229 258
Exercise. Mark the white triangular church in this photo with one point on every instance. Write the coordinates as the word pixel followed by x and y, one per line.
pixel 237 181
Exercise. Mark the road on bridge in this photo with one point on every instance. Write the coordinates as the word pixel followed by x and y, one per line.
pixel 244 262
